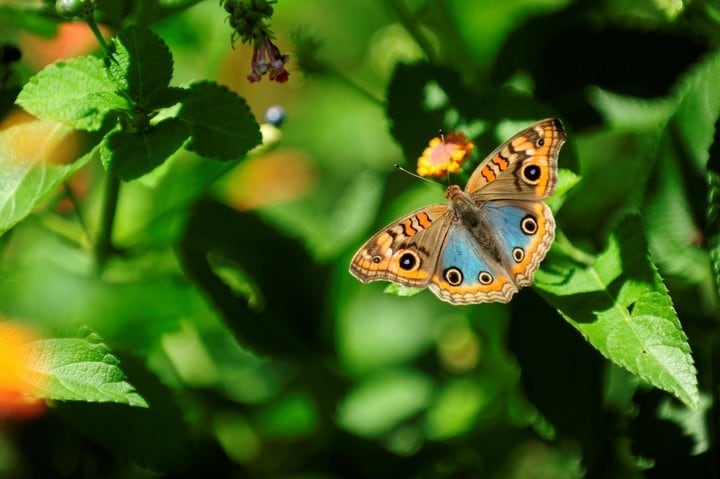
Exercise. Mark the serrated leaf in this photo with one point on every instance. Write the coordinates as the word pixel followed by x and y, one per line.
pixel 139 62
pixel 222 126
pixel 27 171
pixel 131 155
pixel 621 306
pixel 78 369
pixel 77 92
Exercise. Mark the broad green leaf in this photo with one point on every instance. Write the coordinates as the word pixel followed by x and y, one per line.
pixel 77 92
pixel 27 168
pixel 78 369
pixel 222 126
pixel 139 62
pixel 621 306
pixel 131 155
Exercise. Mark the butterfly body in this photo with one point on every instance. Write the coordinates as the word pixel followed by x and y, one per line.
pixel 489 239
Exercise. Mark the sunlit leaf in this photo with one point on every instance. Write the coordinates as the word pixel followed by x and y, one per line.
pixel 621 306
pixel 78 369
pixel 139 63
pixel 28 152
pixel 77 92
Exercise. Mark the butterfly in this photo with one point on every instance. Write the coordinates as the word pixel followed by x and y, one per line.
pixel 489 239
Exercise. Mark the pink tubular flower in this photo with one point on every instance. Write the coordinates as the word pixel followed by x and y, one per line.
pixel 268 59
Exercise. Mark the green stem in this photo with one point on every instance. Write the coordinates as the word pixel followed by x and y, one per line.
pixel 96 31
pixel 104 247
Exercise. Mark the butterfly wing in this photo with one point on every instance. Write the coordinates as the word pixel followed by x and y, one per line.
pixel 405 251
pixel 489 255
pixel 524 167
pixel 493 262
pixel 524 231
pixel 467 274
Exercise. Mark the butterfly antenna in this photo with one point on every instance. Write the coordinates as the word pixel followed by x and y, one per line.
pixel 416 175
pixel 442 138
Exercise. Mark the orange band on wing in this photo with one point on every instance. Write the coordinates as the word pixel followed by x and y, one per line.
pixel 424 220
pixel 408 228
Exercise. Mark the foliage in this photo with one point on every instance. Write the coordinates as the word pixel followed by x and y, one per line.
pixel 179 272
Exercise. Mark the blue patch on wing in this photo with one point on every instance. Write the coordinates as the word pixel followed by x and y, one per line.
pixel 504 220
pixel 463 252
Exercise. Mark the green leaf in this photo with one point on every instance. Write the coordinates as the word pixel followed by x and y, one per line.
pixel 77 92
pixel 78 369
pixel 222 126
pixel 131 155
pixel 621 306
pixel 139 62
pixel 28 173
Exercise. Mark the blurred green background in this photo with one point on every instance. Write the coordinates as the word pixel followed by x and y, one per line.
pixel 321 376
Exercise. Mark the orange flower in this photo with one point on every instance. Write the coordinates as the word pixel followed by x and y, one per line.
pixel 444 155
pixel 17 398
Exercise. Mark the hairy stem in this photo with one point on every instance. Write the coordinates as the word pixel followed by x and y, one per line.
pixel 96 31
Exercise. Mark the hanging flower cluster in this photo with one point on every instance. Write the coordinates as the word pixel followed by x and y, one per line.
pixel 249 20
pixel 444 155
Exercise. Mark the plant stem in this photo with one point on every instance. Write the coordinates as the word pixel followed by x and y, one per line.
pixel 96 31
pixel 104 247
